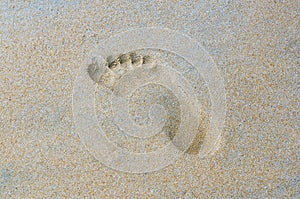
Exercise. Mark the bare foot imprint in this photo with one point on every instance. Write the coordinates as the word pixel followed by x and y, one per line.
pixel 115 68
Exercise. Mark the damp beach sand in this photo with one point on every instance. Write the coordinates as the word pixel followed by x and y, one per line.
pixel 254 45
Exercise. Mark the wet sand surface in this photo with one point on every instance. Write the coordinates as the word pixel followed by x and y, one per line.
pixel 255 46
